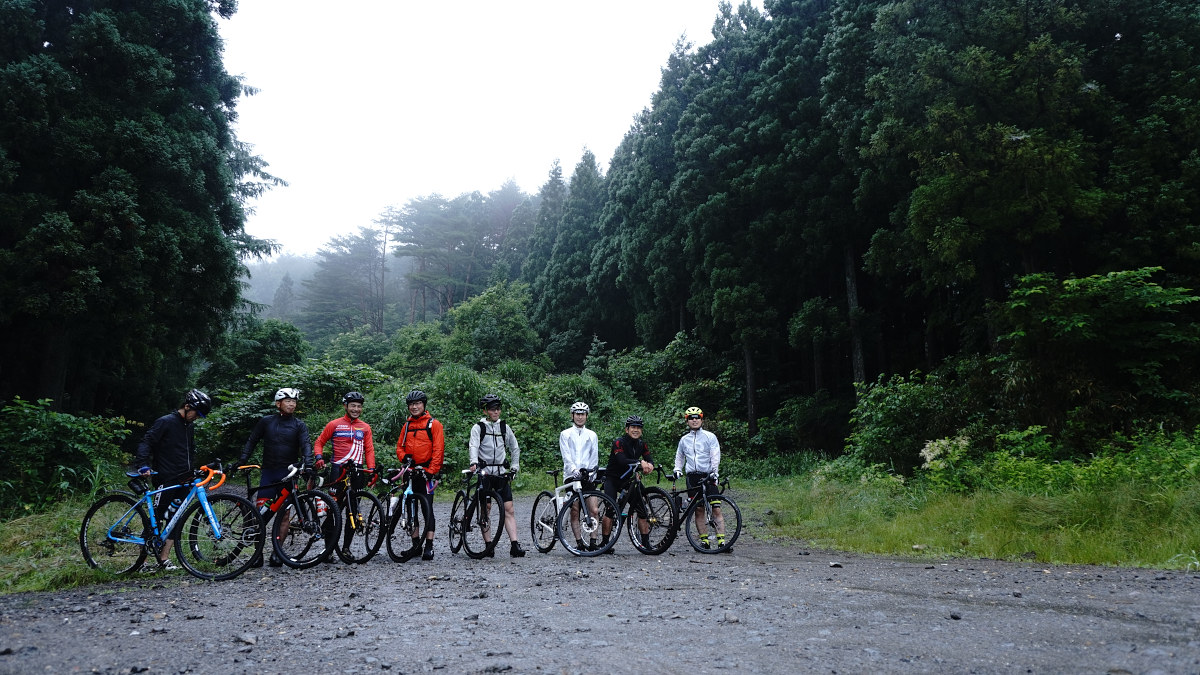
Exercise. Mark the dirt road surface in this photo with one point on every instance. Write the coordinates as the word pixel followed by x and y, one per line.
pixel 767 607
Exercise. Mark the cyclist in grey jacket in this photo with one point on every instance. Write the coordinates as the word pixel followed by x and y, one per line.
pixel 491 440
pixel 699 457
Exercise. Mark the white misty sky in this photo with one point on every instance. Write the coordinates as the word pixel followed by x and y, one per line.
pixel 369 103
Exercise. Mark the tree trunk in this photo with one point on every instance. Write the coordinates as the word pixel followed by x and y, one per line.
pixel 858 362
pixel 52 380
pixel 751 405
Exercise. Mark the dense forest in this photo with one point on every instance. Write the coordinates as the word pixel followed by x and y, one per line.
pixel 838 226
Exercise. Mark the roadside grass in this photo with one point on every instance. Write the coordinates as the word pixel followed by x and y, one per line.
pixel 1125 525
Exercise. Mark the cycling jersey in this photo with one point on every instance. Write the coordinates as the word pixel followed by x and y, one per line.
pixel 423 438
pixel 488 443
pixel 627 453
pixel 698 452
pixel 351 442
pixel 284 439
pixel 580 449
pixel 169 448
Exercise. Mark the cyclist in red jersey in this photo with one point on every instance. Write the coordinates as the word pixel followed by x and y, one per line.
pixel 351 436
pixel 424 439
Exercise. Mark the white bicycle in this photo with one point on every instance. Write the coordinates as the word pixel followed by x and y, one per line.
pixel 574 517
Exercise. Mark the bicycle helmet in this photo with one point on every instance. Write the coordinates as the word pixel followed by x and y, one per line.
pixel 489 401
pixel 352 396
pixel 633 421
pixel 287 392
pixel 416 395
pixel 198 401
pixel 693 411
pixel 580 407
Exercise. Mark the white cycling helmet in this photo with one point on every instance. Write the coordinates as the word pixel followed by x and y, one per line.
pixel 287 392
pixel 580 407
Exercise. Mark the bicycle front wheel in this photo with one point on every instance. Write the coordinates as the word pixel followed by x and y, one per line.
pixel 481 523
pixel 306 529
pixel 407 526
pixel 224 546
pixel 362 529
pixel 659 523
pixel 543 522
pixel 723 516
pixel 456 517
pixel 108 527
pixel 595 509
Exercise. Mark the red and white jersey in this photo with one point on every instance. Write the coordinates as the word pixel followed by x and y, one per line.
pixel 351 441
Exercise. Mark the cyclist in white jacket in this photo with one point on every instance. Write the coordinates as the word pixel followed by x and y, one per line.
pixel 699 457
pixel 490 439
pixel 580 449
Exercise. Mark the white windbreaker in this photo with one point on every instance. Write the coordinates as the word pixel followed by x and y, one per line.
pixel 580 449
pixel 490 448
pixel 698 452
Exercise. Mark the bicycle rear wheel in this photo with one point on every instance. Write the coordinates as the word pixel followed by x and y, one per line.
pixel 730 514
pixel 363 530
pixel 660 522
pixel 208 555
pixel 481 523
pixel 456 516
pixel 109 521
pixel 408 523
pixel 594 509
pixel 543 522
pixel 312 525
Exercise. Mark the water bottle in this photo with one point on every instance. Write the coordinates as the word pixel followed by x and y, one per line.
pixel 321 508
pixel 392 504
pixel 172 508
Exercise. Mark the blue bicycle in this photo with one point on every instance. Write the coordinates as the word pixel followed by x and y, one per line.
pixel 216 537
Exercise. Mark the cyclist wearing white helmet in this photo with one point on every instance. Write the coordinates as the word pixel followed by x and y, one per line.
pixel 580 449
pixel 285 441
pixel 699 457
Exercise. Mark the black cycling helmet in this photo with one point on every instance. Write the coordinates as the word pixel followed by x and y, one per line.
pixel 416 395
pixel 198 401
pixel 633 421
pixel 352 396
pixel 489 401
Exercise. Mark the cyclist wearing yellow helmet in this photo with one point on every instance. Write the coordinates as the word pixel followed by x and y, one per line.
pixel 699 456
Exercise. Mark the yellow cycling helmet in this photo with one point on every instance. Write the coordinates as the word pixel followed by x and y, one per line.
pixel 693 411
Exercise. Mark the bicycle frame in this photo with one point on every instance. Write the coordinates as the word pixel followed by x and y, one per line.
pixel 198 491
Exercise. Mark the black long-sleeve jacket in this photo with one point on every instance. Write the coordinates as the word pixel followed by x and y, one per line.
pixel 168 447
pixel 285 440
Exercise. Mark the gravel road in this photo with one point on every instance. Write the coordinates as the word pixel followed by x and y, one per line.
pixel 770 606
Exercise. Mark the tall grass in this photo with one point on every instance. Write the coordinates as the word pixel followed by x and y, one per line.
pixel 41 551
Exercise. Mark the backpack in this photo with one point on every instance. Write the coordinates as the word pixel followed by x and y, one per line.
pixel 428 430
pixel 483 431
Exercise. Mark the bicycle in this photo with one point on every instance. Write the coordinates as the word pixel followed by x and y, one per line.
pixel 214 533
pixel 363 523
pixel 716 515
pixel 406 514
pixel 648 515
pixel 472 525
pixel 547 524
pixel 305 523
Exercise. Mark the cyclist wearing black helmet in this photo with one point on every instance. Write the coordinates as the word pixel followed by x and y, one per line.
pixel 424 439
pixel 351 436
pixel 490 443
pixel 629 455
pixel 170 449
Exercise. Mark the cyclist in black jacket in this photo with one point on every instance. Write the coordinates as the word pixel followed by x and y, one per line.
pixel 285 441
pixel 629 455
pixel 170 449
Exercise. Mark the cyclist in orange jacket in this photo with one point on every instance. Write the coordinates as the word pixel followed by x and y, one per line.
pixel 424 439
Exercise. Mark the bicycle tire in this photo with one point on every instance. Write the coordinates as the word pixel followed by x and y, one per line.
pixel 660 512
pixel 410 512
pixel 482 522
pixel 308 540
pixel 456 516
pixel 543 522
pixel 122 512
pixel 728 508
pixel 362 536
pixel 591 524
pixel 208 556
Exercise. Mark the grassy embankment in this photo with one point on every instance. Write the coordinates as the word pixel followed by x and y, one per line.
pixel 1126 526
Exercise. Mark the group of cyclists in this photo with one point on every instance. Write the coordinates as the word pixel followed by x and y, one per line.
pixel 168 451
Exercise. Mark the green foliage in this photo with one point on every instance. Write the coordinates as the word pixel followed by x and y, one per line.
pixel 416 351
pixel 492 327
pixel 361 345
pixel 322 383
pixel 252 348
pixel 60 455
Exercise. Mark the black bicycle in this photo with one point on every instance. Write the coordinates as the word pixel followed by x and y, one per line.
pixel 648 515
pixel 363 520
pixel 476 517
pixel 405 512
pixel 305 523
pixel 706 517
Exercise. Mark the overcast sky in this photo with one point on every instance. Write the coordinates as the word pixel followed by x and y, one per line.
pixel 369 103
